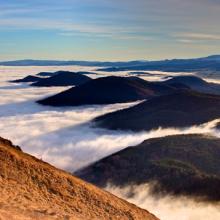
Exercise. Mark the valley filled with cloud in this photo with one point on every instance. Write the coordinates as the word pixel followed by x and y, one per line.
pixel 66 137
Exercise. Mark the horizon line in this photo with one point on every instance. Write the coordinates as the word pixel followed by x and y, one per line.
pixel 112 61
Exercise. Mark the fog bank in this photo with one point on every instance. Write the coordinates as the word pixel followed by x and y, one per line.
pixel 167 207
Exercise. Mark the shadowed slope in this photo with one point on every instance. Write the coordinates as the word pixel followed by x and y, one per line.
pixel 180 164
pixel 180 109
pixel 33 189
pixel 108 90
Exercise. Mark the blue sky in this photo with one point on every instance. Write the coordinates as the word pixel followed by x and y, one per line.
pixel 108 29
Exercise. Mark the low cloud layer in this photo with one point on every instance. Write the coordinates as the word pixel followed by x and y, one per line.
pixel 167 207
pixel 65 138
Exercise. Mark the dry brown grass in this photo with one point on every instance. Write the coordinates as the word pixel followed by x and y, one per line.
pixel 33 189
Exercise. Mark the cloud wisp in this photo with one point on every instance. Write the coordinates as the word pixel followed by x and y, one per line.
pixel 167 207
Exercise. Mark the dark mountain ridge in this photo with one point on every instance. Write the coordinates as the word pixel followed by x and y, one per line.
pixel 195 83
pixel 181 109
pixel 63 78
pixel 29 78
pixel 108 90
pixel 57 72
pixel 46 74
pixel 179 165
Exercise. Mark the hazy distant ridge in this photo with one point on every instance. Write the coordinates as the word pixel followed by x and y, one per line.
pixel 207 63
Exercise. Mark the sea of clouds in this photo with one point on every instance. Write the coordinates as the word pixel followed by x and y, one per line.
pixel 66 138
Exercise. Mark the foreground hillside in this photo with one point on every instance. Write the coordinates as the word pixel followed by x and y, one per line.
pixel 109 90
pixel 33 189
pixel 179 164
pixel 180 109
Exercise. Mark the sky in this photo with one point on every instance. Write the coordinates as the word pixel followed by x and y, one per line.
pixel 108 29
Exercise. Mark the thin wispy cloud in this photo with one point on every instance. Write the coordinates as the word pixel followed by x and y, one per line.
pixel 132 24
pixel 197 37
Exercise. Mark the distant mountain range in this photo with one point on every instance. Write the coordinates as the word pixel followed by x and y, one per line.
pixel 33 189
pixel 179 165
pixel 205 63
pixel 30 62
pixel 211 63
